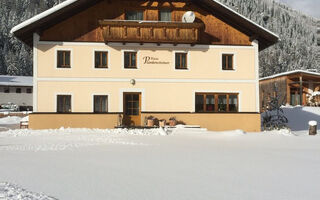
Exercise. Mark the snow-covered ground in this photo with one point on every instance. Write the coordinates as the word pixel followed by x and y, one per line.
pixel 299 117
pixel 187 164
pixel 149 164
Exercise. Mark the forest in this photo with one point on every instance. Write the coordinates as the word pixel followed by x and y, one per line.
pixel 297 48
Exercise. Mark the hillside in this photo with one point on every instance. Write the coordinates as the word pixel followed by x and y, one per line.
pixel 296 50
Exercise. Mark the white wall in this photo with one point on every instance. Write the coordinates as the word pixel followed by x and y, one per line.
pixel 21 99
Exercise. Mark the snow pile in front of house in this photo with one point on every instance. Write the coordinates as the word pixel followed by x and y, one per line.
pixel 69 139
pixel 10 120
pixel 124 131
pixel 13 192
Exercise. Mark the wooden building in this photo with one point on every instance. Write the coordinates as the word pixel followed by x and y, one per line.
pixel 297 87
pixel 97 59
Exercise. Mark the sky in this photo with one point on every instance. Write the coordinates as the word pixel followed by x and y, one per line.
pixel 309 7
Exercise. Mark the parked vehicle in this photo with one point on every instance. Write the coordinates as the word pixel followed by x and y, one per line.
pixel 9 107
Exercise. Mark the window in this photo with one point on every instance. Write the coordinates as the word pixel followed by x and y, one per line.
pixel 29 90
pixel 215 102
pixel 64 103
pixel 227 62
pixel 18 90
pixel 181 61
pixel 134 15
pixel 233 103
pixel 165 15
pixel 6 90
pixel 63 59
pixel 132 104
pixel 222 103
pixel 130 60
pixel 100 103
pixel 101 59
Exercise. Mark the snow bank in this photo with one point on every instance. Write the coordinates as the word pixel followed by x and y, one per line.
pixel 69 139
pixel 13 192
pixel 299 116
pixel 10 120
pixel 62 131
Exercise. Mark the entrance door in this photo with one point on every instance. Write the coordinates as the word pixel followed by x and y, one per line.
pixel 132 109
pixel 294 97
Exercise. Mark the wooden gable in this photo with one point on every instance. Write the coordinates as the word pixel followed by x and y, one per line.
pixel 84 26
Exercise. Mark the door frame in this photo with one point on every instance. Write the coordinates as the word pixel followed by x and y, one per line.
pixel 132 90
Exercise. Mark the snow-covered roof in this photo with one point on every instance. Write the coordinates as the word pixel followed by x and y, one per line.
pixel 39 20
pixel 290 72
pixel 68 2
pixel 42 15
pixel 16 80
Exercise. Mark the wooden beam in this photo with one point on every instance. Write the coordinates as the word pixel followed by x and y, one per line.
pixel 301 90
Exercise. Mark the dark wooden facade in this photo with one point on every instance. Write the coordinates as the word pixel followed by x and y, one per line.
pixel 292 88
pixel 97 24
pixel 160 32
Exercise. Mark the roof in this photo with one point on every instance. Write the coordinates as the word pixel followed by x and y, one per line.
pixel 24 31
pixel 290 73
pixel 16 80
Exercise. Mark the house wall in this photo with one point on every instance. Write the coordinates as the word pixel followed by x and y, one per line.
pixel 204 61
pixel 249 122
pixel 21 99
pixel 163 88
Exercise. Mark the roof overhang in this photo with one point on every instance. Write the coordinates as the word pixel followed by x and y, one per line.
pixel 24 31
pixel 290 73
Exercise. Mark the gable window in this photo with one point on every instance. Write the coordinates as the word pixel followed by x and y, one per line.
pixel 29 90
pixel 18 90
pixel 165 15
pixel 63 59
pixel 181 61
pixel 227 62
pixel 130 60
pixel 101 59
pixel 216 102
pixel 64 103
pixel 134 15
pixel 100 103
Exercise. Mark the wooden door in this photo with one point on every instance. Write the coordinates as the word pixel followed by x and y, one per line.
pixel 132 109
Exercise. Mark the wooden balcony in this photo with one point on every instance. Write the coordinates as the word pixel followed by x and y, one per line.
pixel 151 31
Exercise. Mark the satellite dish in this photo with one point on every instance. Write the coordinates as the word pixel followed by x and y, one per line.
pixel 188 17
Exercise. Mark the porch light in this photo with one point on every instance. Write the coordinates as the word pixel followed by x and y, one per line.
pixel 133 82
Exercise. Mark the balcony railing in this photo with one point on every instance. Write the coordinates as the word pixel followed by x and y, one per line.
pixel 150 31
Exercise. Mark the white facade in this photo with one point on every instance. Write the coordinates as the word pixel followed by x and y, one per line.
pixel 16 90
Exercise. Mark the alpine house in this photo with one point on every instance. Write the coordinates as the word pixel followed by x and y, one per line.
pixel 101 63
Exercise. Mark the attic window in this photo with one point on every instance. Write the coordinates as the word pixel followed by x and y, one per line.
pixel 165 15
pixel 134 15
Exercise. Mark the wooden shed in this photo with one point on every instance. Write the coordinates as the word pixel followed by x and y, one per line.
pixel 297 87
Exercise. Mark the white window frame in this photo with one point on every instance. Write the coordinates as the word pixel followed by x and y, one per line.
pixel 234 61
pixel 56 101
pixel 122 59
pixel 188 61
pixel 100 94
pixel 56 58
pixel 93 56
